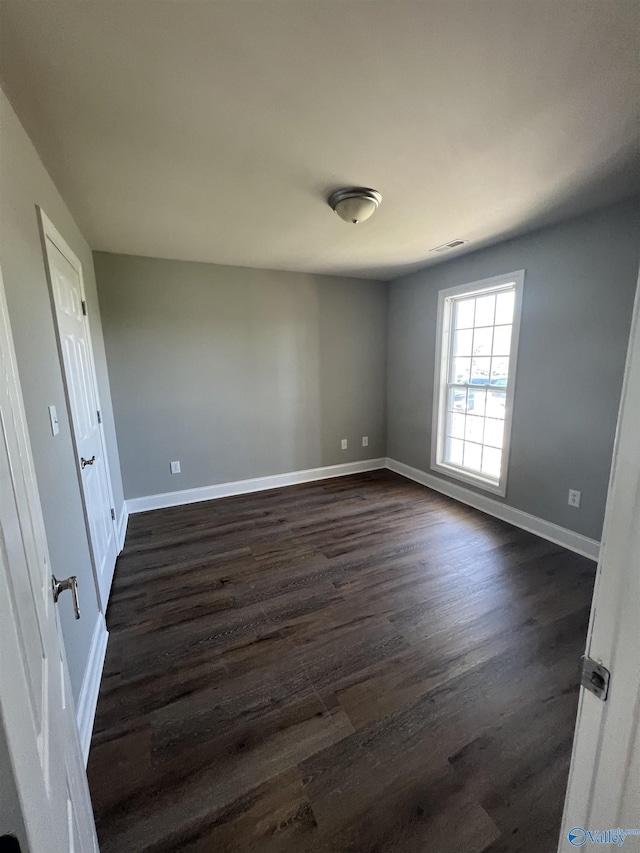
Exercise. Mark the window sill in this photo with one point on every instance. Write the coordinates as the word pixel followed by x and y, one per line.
pixel 494 488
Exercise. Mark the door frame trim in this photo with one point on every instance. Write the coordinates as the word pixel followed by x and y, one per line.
pixel 49 230
pixel 31 818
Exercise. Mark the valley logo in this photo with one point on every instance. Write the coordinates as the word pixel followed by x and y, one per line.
pixel 578 836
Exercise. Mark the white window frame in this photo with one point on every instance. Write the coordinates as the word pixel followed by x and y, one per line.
pixel 442 356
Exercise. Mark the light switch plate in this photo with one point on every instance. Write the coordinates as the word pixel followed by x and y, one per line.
pixel 53 417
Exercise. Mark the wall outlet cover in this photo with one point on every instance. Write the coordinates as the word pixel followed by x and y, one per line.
pixel 175 467
pixel 574 497
pixel 365 441
pixel 343 444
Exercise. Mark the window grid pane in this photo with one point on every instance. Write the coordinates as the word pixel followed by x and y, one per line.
pixel 485 311
pixel 482 341
pixel 460 370
pixel 479 356
pixel 462 343
pixel 464 313
pixel 472 457
pixel 501 340
pixel 476 401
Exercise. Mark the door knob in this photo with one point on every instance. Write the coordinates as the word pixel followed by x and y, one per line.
pixel 60 586
pixel 84 462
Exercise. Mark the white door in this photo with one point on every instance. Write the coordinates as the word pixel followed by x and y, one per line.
pixel 36 708
pixel 603 795
pixel 65 278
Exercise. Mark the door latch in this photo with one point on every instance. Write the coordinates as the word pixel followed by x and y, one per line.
pixel 595 678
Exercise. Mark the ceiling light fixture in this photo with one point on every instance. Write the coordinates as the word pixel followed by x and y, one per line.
pixel 355 204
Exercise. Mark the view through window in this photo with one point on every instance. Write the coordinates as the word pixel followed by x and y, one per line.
pixel 477 342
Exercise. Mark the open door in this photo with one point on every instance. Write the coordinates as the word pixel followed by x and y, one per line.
pixel 46 770
pixel 81 388
pixel 602 806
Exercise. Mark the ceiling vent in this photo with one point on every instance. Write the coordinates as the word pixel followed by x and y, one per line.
pixel 447 247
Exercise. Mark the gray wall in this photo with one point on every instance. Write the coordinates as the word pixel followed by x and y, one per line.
pixel 23 184
pixel 239 373
pixel 578 294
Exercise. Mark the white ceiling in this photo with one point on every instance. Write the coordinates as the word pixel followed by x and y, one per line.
pixel 214 131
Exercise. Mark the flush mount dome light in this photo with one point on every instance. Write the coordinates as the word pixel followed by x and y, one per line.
pixel 355 204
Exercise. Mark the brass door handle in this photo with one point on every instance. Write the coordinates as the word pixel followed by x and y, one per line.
pixel 60 586
pixel 84 462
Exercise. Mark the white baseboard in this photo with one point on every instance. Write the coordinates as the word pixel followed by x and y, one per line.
pixel 546 529
pixel 122 526
pixel 88 700
pixel 258 484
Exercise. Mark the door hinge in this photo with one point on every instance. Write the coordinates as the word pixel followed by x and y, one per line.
pixel 595 678
pixel 113 514
pixel 84 308
pixel 99 416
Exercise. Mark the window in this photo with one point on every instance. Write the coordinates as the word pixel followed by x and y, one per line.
pixel 474 380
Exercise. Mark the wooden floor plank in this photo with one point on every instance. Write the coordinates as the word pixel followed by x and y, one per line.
pixel 356 665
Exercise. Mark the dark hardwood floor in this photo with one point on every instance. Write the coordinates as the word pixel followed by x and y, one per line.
pixel 358 664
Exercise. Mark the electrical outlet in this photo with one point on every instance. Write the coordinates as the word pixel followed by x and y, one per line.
pixel 574 497
pixel 175 467
pixel 343 444
pixel 365 441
